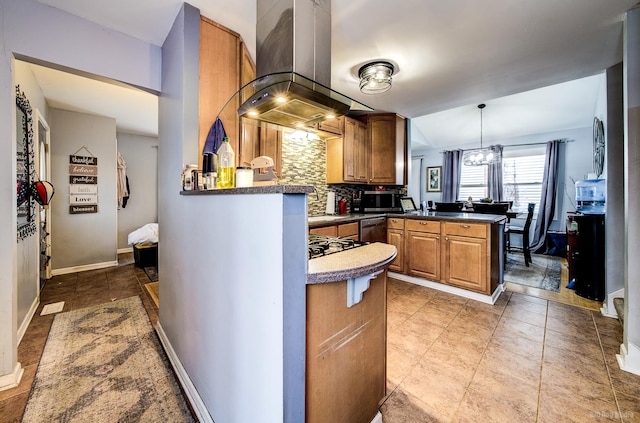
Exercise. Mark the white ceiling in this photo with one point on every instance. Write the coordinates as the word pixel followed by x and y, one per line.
pixel 451 56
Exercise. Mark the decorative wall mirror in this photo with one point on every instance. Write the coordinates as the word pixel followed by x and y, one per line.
pixel 25 166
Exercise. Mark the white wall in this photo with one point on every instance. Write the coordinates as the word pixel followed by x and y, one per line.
pixel 28 249
pixel 140 154
pixel 34 30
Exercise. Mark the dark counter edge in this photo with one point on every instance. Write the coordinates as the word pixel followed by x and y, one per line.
pixel 267 189
pixel 340 275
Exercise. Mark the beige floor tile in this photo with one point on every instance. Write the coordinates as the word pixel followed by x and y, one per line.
pixel 524 303
pixel 496 406
pixel 524 315
pixel 629 408
pixel 560 406
pixel 431 313
pixel 578 363
pixel 399 365
pixel 509 343
pixel 522 369
pixel 402 407
pixel 514 328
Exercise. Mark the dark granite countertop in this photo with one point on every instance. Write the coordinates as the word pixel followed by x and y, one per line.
pixel 318 221
pixel 268 189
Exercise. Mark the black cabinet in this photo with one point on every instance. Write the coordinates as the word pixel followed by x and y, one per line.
pixel 589 257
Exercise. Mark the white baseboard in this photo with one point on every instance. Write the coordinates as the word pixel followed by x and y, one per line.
pixel 74 269
pixel 190 390
pixel 12 379
pixel 629 358
pixel 125 250
pixel 377 418
pixel 487 299
pixel 608 309
pixel 27 319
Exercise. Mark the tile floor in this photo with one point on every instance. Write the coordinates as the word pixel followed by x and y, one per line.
pixel 525 359
pixel 77 290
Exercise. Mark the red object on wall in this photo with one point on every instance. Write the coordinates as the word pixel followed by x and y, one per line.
pixel 42 192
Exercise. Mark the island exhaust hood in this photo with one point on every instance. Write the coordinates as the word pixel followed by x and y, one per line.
pixel 293 61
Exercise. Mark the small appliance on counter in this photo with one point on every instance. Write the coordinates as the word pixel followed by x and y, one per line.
pixel 263 171
pixel 377 201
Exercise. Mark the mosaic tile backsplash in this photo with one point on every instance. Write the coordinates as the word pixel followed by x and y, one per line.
pixel 304 163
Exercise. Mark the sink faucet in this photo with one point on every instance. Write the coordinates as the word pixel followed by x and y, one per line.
pixel 317 193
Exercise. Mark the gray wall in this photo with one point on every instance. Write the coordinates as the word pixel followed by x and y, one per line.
pixel 83 239
pixel 140 154
pixel 577 163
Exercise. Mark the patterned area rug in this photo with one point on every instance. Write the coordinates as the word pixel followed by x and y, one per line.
pixel 152 273
pixel 543 272
pixel 105 364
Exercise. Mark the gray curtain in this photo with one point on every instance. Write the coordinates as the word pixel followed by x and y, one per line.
pixel 547 197
pixel 451 170
pixel 494 179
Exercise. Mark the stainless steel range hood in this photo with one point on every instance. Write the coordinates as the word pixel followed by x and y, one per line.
pixel 293 39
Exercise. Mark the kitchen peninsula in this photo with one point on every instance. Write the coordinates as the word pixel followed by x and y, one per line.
pixel 259 310
pixel 457 252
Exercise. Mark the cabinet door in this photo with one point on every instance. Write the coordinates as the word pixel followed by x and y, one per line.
pixel 333 126
pixel 349 150
pixel 271 145
pixel 219 80
pixel 423 255
pixel 382 151
pixel 349 230
pixel 465 263
pixel 248 130
pixel 325 230
pixel 395 237
pixel 361 153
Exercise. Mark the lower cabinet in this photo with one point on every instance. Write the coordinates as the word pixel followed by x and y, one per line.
pixel 344 230
pixel 395 237
pixel 450 252
pixel 423 248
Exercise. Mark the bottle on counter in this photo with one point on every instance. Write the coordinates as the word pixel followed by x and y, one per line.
pixel 226 165
pixel 187 177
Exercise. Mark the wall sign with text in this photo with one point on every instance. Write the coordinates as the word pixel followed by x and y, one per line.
pixel 83 184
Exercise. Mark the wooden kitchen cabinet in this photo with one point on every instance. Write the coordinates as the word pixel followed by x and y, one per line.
pixel 455 253
pixel 395 237
pixel 387 141
pixel 225 66
pixel 333 126
pixel 347 156
pixel 346 353
pixel 344 230
pixel 422 247
pixel 465 258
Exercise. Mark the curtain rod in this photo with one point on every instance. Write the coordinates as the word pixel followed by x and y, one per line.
pixel 516 145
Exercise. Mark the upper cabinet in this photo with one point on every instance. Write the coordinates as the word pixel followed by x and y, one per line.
pixel 387 147
pixel 371 151
pixel 225 66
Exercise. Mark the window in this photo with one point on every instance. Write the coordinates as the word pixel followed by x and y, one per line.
pixel 522 173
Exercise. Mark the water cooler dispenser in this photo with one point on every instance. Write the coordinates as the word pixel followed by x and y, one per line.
pixel 589 256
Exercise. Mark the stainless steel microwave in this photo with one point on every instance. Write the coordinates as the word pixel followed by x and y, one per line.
pixel 377 202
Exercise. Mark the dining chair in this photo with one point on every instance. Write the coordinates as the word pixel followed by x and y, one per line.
pixel 524 231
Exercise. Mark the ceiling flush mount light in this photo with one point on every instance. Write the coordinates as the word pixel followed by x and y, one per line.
pixel 480 156
pixel 375 77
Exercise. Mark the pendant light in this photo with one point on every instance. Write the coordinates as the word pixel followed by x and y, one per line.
pixel 480 156
pixel 375 77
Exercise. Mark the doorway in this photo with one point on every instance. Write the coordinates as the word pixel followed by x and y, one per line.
pixel 43 136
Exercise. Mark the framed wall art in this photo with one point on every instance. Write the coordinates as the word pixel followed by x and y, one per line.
pixel 434 179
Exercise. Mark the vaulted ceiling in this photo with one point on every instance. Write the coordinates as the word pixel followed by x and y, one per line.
pixel 451 55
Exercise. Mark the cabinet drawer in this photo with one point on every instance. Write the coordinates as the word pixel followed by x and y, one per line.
pixel 348 229
pixel 474 230
pixel 395 223
pixel 325 230
pixel 432 226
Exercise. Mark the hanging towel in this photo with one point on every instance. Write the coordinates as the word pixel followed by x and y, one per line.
pixel 215 137
pixel 122 180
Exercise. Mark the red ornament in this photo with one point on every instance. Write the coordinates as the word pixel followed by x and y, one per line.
pixel 42 192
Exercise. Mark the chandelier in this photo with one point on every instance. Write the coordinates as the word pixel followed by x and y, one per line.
pixel 480 156
pixel 375 77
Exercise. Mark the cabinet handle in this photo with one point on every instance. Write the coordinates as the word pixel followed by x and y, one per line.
pixel 465 226
pixel 423 223
pixel 438 238
pixel 446 238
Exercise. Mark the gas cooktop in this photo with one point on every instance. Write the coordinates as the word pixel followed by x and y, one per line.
pixel 322 245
